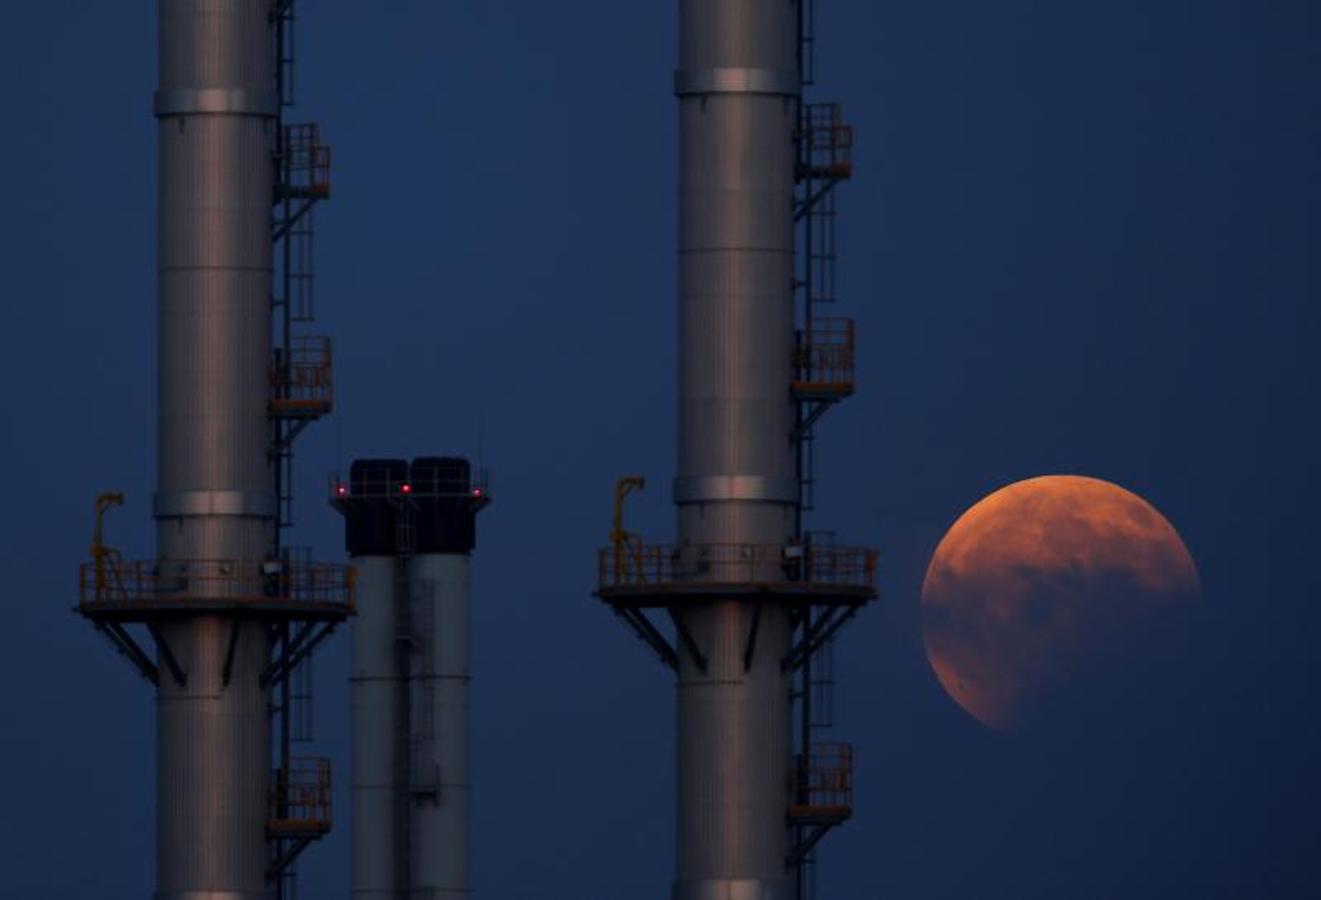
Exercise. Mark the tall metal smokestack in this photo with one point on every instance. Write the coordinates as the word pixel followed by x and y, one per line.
pixel 229 616
pixel 215 500
pixel 411 533
pixel 379 680
pixel 750 595
pixel 736 84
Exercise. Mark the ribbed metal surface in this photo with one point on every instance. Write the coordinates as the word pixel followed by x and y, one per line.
pixel 212 779
pixel 213 740
pixel 440 726
pixel 745 33
pixel 736 252
pixel 734 751
pixel 374 689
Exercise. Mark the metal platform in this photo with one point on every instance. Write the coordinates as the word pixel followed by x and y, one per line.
pixel 143 590
pixel 826 143
pixel 302 387
pixel 300 800
pixel 304 164
pixel 300 810
pixel 823 797
pixel 827 586
pixel 824 360
pixel 824 793
pixel 663 575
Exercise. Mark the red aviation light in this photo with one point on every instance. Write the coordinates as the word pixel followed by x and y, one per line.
pixel 341 490
pixel 476 492
pixel 405 488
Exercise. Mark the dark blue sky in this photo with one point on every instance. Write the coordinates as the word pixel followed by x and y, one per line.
pixel 1081 238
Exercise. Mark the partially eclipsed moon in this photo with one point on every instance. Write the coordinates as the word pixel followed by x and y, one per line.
pixel 1037 583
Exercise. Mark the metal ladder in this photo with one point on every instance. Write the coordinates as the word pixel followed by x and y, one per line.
pixel 292 234
pixel 807 42
pixel 424 773
pixel 282 15
pixel 815 215
pixel 302 730
pixel 820 255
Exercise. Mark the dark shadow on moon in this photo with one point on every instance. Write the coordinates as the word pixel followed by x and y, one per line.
pixel 1033 648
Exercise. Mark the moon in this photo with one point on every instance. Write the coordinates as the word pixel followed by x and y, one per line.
pixel 1043 583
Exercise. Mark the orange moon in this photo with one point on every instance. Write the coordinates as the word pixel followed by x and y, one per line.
pixel 1043 582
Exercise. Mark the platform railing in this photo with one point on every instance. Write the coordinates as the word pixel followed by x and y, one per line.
pixel 306 161
pixel 300 799
pixel 826 142
pixel 477 486
pixel 824 783
pixel 663 565
pixel 303 384
pixel 127 583
pixel 824 357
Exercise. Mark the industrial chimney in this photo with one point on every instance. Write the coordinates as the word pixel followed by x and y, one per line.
pixel 410 532
pixel 224 613
pixel 752 596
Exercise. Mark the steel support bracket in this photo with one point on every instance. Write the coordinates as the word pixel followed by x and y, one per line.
pixel 171 662
pixel 805 206
pixel 130 649
pixel 284 226
pixel 805 845
pixel 750 648
pixel 648 634
pixel 285 856
pixel 304 643
pixel 817 633
pixel 689 642
pixel 281 444
pixel 230 647
pixel 818 409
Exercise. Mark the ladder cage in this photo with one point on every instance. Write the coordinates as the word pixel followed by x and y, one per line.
pixel 807 42
pixel 302 272
pixel 821 685
pixel 282 12
pixel 821 254
pixel 301 721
